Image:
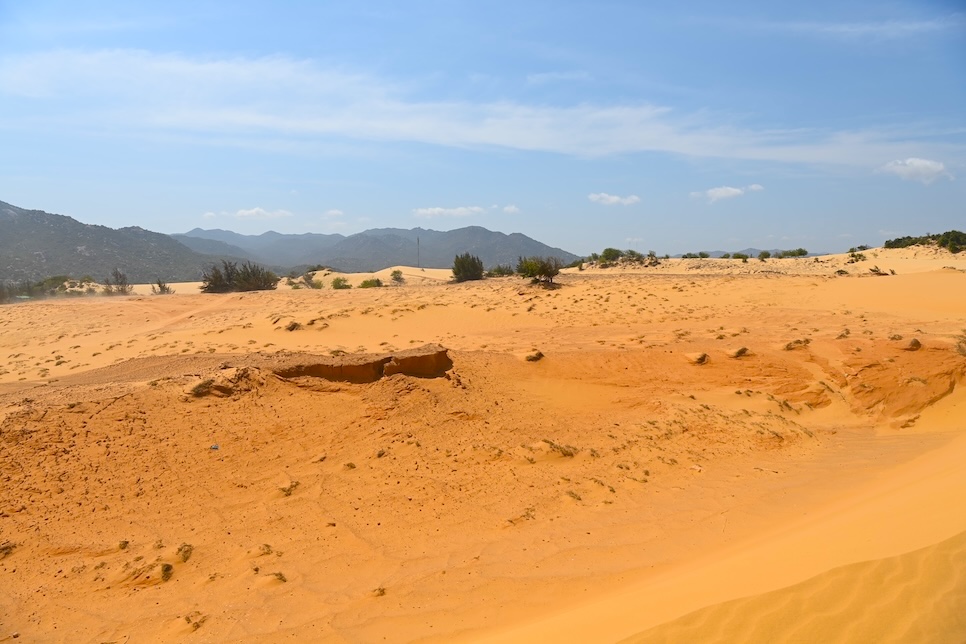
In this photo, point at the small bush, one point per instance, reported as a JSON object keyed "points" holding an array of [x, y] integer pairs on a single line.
{"points": [[372, 283], [611, 254], [161, 288], [340, 284], [726, 256], [117, 284], [230, 278], [763, 255], [740, 256], [397, 277], [798, 252], [539, 268], [467, 267]]}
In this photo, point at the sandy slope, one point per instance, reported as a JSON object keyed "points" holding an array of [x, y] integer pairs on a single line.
{"points": [[618, 484]]}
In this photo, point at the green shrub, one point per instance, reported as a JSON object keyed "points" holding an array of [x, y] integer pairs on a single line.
{"points": [[704, 255], [397, 277], [611, 254], [371, 283], [230, 278], [763, 255], [798, 252], [539, 268], [500, 270], [467, 267], [340, 284], [726, 256]]}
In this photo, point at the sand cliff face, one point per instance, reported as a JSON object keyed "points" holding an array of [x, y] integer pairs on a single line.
{"points": [[302, 464]]}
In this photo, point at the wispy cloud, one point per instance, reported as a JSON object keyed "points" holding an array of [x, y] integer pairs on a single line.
{"points": [[280, 101], [915, 169], [249, 213], [725, 192], [557, 77], [511, 209], [883, 29], [613, 200], [333, 213], [459, 211]]}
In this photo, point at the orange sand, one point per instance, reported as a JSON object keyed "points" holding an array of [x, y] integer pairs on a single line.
{"points": [[618, 488]]}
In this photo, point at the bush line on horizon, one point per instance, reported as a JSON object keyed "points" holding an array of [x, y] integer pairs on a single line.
{"points": [[254, 277]]}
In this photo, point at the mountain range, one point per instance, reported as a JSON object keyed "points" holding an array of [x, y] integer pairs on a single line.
{"points": [[373, 249], [35, 244]]}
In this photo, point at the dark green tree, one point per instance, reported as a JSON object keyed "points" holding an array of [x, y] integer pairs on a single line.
{"points": [[467, 267]]}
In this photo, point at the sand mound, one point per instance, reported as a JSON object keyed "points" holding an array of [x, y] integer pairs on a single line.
{"points": [[314, 464]]}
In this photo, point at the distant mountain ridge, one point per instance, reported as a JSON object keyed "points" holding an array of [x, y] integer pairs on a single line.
{"points": [[379, 248], [35, 245]]}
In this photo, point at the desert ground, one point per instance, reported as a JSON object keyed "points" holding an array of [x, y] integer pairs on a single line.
{"points": [[707, 450]]}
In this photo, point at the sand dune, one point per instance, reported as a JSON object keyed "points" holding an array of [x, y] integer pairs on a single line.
{"points": [[854, 603], [579, 473]]}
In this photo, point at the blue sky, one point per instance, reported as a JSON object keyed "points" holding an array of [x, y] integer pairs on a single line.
{"points": [[703, 125]]}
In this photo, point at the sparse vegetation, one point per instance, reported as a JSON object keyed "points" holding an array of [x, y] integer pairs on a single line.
{"points": [[741, 256], [467, 267], [371, 283], [340, 283], [501, 270], [763, 255], [397, 277], [231, 278], [953, 241], [161, 288], [117, 284]]}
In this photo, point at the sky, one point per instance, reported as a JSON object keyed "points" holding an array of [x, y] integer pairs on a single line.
{"points": [[672, 127]]}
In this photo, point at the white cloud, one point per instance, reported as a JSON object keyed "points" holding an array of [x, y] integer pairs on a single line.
{"points": [[209, 215], [613, 200], [286, 103], [334, 212], [914, 169], [725, 192], [260, 213], [511, 209], [459, 211]]}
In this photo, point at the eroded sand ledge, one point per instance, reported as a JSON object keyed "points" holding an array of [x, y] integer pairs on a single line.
{"points": [[352, 500]]}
